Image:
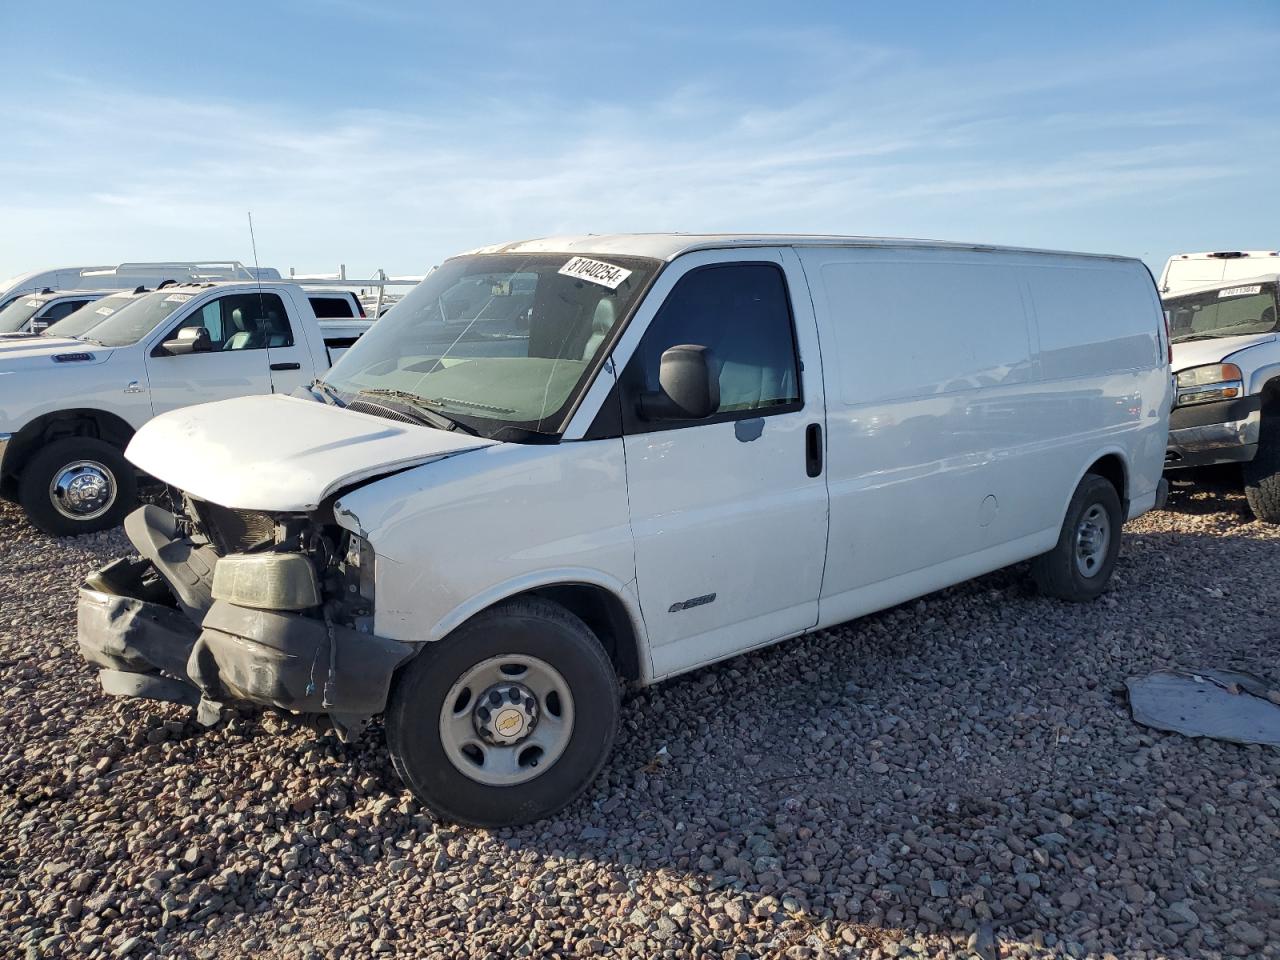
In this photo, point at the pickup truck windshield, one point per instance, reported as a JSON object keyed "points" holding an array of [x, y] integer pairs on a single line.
{"points": [[1226, 312], [498, 341], [131, 323], [88, 316], [15, 316]]}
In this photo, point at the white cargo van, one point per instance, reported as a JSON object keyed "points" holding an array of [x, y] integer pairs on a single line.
{"points": [[564, 461], [1185, 271]]}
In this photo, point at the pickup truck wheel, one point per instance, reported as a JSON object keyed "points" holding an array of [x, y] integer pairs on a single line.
{"points": [[1262, 475], [1080, 566], [507, 720], [77, 485]]}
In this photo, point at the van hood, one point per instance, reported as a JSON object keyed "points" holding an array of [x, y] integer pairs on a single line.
{"points": [[40, 353], [1195, 353], [278, 453]]}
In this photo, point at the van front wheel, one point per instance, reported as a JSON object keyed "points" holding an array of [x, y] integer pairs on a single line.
{"points": [[1080, 566], [507, 720]]}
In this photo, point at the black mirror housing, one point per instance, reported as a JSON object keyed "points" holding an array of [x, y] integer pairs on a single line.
{"points": [[189, 340], [689, 383]]}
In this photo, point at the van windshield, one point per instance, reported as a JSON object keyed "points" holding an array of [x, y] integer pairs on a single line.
{"points": [[496, 341], [1226, 312], [131, 323], [14, 317], [88, 316]]}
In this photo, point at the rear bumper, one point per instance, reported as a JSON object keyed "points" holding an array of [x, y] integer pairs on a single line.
{"points": [[1209, 433], [145, 646]]}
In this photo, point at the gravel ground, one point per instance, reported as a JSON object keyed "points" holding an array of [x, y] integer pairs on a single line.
{"points": [[958, 776]]}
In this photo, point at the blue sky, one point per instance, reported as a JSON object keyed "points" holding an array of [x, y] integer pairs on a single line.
{"points": [[384, 134]]}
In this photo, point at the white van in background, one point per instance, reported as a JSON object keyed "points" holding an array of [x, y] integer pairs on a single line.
{"points": [[129, 275], [1185, 271], [564, 461]]}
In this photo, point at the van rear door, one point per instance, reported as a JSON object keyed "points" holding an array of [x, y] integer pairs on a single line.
{"points": [[729, 514]]}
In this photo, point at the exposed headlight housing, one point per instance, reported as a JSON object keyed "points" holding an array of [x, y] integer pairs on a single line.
{"points": [[1214, 381], [266, 581]]}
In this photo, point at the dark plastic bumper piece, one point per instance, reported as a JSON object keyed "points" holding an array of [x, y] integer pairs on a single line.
{"points": [[185, 566], [291, 661], [267, 657]]}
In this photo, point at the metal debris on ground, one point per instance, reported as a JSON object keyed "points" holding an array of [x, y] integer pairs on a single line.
{"points": [[1222, 704]]}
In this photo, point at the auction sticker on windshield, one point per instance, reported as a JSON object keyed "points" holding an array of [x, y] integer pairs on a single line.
{"points": [[1239, 291], [178, 297], [595, 271]]}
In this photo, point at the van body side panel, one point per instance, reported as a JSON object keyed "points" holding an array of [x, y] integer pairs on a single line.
{"points": [[458, 534], [928, 365], [953, 450], [1102, 363]]}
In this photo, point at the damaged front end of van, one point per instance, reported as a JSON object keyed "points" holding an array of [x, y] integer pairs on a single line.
{"points": [[240, 607], [247, 589]]}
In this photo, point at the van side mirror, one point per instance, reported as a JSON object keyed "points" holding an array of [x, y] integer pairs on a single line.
{"points": [[689, 386], [189, 340]]}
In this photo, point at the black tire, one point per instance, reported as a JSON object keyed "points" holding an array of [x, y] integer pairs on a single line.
{"points": [[48, 462], [1262, 475], [528, 626], [1057, 573]]}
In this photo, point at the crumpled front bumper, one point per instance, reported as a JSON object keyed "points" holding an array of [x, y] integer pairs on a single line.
{"points": [[146, 647], [1209, 433]]}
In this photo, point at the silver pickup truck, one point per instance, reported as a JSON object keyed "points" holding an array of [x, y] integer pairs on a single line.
{"points": [[1226, 361]]}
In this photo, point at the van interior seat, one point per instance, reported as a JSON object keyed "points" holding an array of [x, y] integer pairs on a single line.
{"points": [[602, 322]]}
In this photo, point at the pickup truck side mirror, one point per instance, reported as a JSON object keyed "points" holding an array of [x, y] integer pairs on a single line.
{"points": [[689, 386], [189, 340]]}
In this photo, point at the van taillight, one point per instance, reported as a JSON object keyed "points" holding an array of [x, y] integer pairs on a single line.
{"points": [[1168, 344]]}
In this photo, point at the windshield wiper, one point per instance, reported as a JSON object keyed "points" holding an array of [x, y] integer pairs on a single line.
{"points": [[427, 413], [325, 390]]}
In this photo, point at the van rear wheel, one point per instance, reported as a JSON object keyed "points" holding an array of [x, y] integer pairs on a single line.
{"points": [[1080, 566], [77, 485], [507, 720]]}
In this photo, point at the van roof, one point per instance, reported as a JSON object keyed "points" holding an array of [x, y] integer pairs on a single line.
{"points": [[668, 246]]}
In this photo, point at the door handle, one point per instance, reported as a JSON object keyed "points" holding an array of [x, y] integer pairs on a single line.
{"points": [[286, 366], [813, 449]]}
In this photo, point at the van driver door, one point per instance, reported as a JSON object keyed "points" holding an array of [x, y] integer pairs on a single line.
{"points": [[728, 513]]}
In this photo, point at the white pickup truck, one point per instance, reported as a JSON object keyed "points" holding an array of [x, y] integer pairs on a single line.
{"points": [[68, 407], [1226, 360], [34, 313]]}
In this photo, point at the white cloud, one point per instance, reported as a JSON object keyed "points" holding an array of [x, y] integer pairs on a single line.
{"points": [[879, 143]]}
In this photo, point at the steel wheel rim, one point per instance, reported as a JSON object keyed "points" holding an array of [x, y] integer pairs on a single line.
{"points": [[1093, 540], [83, 490], [469, 741]]}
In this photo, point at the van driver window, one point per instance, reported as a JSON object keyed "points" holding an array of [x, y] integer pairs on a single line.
{"points": [[741, 312]]}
